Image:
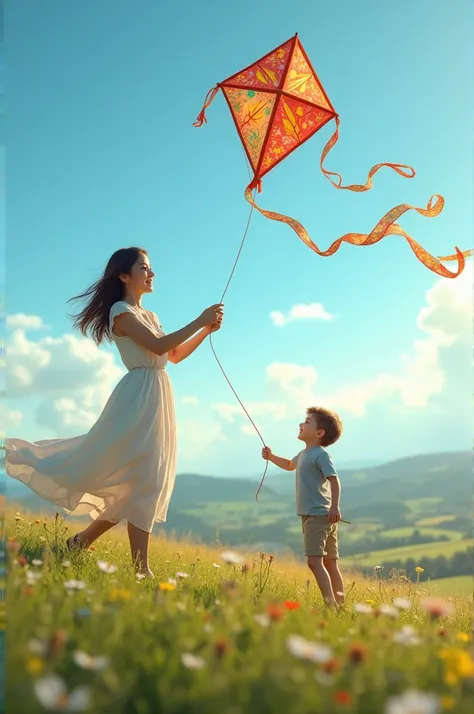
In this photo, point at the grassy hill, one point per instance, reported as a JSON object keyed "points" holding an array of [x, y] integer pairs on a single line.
{"points": [[84, 635], [406, 508]]}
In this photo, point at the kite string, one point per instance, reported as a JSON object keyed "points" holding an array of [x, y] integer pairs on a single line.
{"points": [[244, 237]]}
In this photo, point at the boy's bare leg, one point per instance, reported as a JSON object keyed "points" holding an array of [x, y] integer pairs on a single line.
{"points": [[316, 565], [336, 579], [86, 537], [139, 544]]}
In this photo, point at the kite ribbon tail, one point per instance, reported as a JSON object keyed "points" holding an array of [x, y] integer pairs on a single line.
{"points": [[401, 169], [386, 226], [207, 102]]}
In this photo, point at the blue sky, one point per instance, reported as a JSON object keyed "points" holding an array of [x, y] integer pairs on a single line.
{"points": [[102, 154]]}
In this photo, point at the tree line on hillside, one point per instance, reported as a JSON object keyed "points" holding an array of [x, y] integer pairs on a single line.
{"points": [[373, 543], [439, 567]]}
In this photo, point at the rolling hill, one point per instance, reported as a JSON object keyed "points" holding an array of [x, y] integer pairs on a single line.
{"points": [[390, 506]]}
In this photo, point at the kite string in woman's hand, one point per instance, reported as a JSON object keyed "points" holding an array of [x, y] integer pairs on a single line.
{"points": [[217, 358]]}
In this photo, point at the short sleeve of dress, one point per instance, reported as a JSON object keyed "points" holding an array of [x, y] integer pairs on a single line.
{"points": [[157, 322], [118, 308]]}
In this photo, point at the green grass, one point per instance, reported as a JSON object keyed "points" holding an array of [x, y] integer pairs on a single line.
{"points": [[437, 520], [407, 532], [245, 664], [423, 505], [239, 514], [460, 585], [426, 550]]}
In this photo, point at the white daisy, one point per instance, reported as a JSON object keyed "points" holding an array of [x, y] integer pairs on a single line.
{"points": [[389, 610], [192, 661], [413, 702], [85, 661], [106, 567], [232, 558], [407, 636], [74, 584], [312, 651], [52, 693], [362, 608], [32, 577], [403, 603]]}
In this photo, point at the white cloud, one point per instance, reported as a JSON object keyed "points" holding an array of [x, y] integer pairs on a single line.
{"points": [[193, 401], [229, 411], [25, 322], [313, 311], [11, 419], [196, 437], [248, 430], [72, 373], [446, 323]]}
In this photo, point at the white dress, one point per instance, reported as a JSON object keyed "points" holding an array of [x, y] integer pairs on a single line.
{"points": [[125, 466]]}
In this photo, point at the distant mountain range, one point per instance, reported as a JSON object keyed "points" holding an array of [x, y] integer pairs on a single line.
{"points": [[395, 495]]}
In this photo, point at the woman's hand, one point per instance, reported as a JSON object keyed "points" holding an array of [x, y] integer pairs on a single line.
{"points": [[215, 326], [212, 316]]}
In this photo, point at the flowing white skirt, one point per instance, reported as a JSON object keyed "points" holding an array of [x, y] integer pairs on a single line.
{"points": [[123, 468]]}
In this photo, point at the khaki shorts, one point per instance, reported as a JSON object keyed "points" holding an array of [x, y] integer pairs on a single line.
{"points": [[320, 537]]}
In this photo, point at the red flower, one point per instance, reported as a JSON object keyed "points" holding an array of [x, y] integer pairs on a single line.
{"points": [[357, 653], [275, 612], [291, 604], [221, 646], [342, 697], [331, 666]]}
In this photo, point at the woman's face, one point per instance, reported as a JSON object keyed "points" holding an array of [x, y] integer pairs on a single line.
{"points": [[141, 276]]}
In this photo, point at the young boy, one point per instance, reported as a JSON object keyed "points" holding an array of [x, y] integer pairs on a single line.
{"points": [[318, 491]]}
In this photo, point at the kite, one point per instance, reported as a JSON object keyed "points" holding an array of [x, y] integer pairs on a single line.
{"points": [[277, 104]]}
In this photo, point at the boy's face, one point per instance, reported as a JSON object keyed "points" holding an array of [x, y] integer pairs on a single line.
{"points": [[309, 430]]}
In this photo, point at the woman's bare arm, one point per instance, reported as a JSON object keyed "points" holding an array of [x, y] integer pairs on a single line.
{"points": [[129, 326]]}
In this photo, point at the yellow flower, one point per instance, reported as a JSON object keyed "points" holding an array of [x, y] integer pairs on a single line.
{"points": [[167, 586], [458, 665], [419, 569], [120, 594], [370, 602], [463, 637], [451, 679], [448, 703], [34, 665]]}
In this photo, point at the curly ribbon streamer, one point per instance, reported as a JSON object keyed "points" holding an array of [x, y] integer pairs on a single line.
{"points": [[401, 169], [386, 226]]}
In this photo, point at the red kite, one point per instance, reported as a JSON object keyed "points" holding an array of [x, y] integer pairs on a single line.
{"points": [[277, 104]]}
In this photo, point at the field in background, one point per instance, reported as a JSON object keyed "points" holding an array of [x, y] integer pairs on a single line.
{"points": [[220, 632]]}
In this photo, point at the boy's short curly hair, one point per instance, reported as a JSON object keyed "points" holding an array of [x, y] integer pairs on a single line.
{"points": [[329, 421]]}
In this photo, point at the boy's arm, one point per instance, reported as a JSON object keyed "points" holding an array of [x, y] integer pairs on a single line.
{"points": [[285, 464], [328, 469], [335, 498]]}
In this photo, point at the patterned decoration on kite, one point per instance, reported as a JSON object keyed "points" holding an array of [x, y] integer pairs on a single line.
{"points": [[277, 104]]}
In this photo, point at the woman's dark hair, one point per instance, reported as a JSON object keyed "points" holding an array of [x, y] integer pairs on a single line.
{"points": [[93, 319]]}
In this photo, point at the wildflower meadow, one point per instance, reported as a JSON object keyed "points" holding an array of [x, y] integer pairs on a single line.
{"points": [[220, 631]]}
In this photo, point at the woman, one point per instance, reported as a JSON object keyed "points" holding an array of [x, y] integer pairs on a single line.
{"points": [[124, 467]]}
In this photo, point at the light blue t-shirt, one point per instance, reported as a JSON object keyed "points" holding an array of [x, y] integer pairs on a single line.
{"points": [[313, 491]]}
